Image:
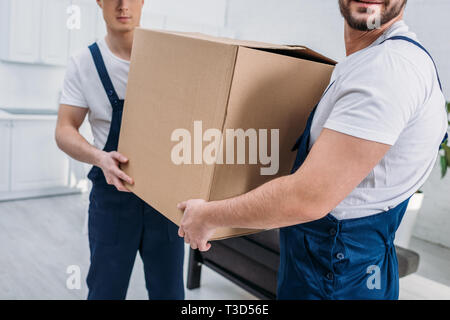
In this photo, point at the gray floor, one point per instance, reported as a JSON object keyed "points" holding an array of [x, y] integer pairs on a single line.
{"points": [[41, 238], [434, 260]]}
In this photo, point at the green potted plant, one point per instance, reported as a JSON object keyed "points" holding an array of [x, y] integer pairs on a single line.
{"points": [[445, 151], [404, 232]]}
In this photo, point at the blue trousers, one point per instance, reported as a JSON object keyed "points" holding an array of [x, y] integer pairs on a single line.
{"points": [[352, 259], [120, 225]]}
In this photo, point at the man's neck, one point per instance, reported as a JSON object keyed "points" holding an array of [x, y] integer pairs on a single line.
{"points": [[356, 40], [120, 43]]}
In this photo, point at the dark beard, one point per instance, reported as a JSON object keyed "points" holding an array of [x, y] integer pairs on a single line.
{"points": [[362, 25]]}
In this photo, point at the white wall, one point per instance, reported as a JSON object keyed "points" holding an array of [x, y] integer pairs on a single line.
{"points": [[429, 19], [316, 24], [433, 222]]}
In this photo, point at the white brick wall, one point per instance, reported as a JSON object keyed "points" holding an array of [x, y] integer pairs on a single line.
{"points": [[318, 24]]}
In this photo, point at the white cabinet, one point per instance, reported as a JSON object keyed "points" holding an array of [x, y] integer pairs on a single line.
{"points": [[20, 25], [54, 47], [36, 31], [36, 161], [5, 154], [31, 165]]}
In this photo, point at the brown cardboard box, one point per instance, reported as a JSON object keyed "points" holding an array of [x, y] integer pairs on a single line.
{"points": [[177, 78]]}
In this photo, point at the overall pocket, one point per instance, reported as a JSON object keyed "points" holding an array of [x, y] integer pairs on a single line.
{"points": [[103, 220]]}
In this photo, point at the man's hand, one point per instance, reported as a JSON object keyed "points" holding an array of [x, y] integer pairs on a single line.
{"points": [[195, 227], [109, 162], [70, 141]]}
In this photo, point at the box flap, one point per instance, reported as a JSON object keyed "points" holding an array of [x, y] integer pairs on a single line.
{"points": [[297, 51]]}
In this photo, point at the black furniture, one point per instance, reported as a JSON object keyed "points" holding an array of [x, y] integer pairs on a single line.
{"points": [[252, 261]]}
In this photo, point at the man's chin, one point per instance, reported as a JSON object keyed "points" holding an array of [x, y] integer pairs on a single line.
{"points": [[124, 28], [360, 20], [358, 24]]}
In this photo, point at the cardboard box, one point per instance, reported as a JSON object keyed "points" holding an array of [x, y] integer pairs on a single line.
{"points": [[190, 83]]}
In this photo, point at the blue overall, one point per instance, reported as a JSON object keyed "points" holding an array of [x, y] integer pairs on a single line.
{"points": [[120, 224], [340, 259]]}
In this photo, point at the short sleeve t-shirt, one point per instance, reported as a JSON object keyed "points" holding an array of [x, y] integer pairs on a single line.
{"points": [[388, 93], [83, 88]]}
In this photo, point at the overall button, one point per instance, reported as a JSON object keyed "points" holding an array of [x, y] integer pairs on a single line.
{"points": [[333, 231], [110, 93], [340, 256], [330, 276]]}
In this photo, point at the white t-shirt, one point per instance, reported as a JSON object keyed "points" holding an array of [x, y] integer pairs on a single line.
{"points": [[388, 93], [83, 88]]}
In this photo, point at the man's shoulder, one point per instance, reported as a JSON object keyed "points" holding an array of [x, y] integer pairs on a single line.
{"points": [[393, 59], [81, 57], [405, 54], [400, 51]]}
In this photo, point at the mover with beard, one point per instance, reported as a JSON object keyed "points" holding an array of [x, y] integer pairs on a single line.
{"points": [[369, 145]]}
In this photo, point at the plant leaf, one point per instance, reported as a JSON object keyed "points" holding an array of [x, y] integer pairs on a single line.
{"points": [[443, 166], [447, 154]]}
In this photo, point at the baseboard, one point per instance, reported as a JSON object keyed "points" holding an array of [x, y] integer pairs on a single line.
{"points": [[20, 195]]}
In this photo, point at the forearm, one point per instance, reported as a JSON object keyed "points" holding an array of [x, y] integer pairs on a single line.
{"points": [[76, 146], [281, 202]]}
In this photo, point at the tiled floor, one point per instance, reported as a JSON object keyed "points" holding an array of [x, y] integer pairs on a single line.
{"points": [[41, 238]]}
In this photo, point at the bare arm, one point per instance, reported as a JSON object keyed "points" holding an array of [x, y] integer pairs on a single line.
{"points": [[335, 166], [69, 140]]}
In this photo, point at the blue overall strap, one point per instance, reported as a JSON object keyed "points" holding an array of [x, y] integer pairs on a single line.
{"points": [[103, 74], [435, 67]]}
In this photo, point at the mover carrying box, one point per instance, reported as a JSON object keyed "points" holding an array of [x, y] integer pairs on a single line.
{"points": [[186, 90]]}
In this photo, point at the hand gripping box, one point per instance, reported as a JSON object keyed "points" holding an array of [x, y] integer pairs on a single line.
{"points": [[212, 118]]}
